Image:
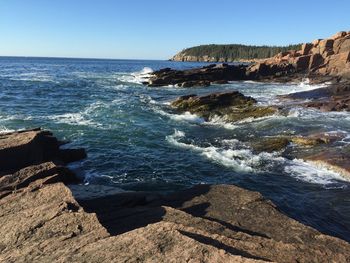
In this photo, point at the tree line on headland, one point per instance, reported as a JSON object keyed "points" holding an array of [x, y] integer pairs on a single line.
{"points": [[231, 52]]}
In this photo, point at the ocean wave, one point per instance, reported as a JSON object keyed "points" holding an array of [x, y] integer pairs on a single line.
{"points": [[312, 173], [137, 77], [220, 122], [4, 129], [30, 76], [80, 118], [184, 117], [305, 85], [241, 160], [72, 118]]}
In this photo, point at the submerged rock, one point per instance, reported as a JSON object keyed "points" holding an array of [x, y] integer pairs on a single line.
{"points": [[270, 144], [232, 106]]}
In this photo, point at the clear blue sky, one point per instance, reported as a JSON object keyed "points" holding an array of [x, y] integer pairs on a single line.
{"points": [[156, 29]]}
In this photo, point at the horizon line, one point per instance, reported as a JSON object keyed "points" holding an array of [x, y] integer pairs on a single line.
{"points": [[43, 57]]}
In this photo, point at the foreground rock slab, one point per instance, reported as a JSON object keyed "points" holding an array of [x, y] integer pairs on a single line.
{"points": [[41, 221]]}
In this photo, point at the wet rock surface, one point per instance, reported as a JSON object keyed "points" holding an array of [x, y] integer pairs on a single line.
{"points": [[231, 106], [212, 74], [335, 97], [41, 220]]}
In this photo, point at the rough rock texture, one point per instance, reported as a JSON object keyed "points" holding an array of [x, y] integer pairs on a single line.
{"points": [[321, 57], [279, 143], [20, 149], [327, 57], [220, 73], [231, 106], [41, 221], [335, 97]]}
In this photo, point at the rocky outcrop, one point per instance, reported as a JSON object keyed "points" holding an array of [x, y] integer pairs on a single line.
{"points": [[321, 57], [41, 220], [230, 106], [212, 74], [20, 149], [335, 97]]}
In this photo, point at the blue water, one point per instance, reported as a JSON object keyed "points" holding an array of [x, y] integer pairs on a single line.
{"points": [[135, 141]]}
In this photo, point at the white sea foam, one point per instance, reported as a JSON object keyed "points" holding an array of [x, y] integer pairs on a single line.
{"points": [[137, 77], [71, 118], [241, 160], [221, 122], [83, 117], [311, 173], [303, 86], [184, 117], [4, 129]]}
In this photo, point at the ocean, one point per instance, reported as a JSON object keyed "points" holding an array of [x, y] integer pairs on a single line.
{"points": [[136, 141]]}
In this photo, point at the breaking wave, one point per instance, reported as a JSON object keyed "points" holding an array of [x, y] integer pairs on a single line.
{"points": [[234, 154]]}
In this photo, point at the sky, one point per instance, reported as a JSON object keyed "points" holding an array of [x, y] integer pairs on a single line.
{"points": [[157, 29]]}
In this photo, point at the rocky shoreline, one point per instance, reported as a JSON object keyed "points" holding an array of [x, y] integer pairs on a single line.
{"points": [[324, 61], [41, 219], [46, 214], [320, 61]]}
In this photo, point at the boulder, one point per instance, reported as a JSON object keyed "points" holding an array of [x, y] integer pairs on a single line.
{"points": [[23, 148]]}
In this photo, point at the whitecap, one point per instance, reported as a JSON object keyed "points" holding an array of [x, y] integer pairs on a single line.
{"points": [[4, 129], [72, 118], [220, 122], [241, 160], [137, 77], [184, 117], [312, 173]]}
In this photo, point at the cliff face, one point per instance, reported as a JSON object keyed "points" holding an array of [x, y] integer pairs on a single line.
{"points": [[329, 56], [42, 221]]}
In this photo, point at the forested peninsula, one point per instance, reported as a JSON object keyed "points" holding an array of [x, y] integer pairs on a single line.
{"points": [[230, 53]]}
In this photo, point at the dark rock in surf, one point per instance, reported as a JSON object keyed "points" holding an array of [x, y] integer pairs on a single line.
{"points": [[197, 77], [230, 106]]}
